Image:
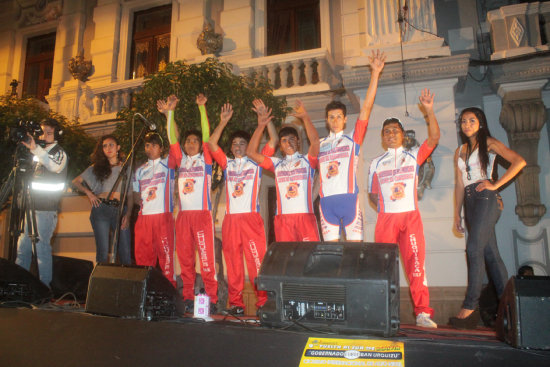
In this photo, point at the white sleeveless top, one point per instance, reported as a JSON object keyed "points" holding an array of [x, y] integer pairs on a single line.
{"points": [[476, 174]]}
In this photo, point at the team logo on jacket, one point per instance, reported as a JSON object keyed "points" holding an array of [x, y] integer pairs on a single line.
{"points": [[238, 189], [292, 190], [398, 191], [332, 169], [188, 186], [151, 194]]}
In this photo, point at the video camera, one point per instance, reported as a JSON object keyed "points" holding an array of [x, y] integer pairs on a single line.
{"points": [[19, 133]]}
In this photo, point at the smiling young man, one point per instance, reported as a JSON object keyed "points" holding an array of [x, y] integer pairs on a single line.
{"points": [[338, 158], [194, 225], [243, 227], [392, 187], [295, 220], [153, 186]]}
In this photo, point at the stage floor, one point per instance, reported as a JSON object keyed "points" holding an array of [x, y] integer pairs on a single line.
{"points": [[62, 337]]}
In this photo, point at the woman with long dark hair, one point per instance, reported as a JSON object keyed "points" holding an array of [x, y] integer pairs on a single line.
{"points": [[477, 192], [97, 183]]}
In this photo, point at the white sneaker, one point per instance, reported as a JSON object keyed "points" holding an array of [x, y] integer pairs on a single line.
{"points": [[423, 320]]}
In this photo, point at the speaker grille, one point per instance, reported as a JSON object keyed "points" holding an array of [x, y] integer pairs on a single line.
{"points": [[314, 292]]}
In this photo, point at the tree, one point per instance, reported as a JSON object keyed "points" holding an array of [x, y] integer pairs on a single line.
{"points": [[213, 78], [76, 142]]}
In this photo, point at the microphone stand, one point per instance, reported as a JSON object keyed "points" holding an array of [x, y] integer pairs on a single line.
{"points": [[126, 185]]}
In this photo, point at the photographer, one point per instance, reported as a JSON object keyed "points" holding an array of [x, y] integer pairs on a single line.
{"points": [[46, 186]]}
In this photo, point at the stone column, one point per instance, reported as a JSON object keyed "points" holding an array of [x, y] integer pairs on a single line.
{"points": [[523, 114], [236, 20], [105, 45]]}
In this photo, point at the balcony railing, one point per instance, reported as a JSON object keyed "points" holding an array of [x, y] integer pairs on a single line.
{"points": [[296, 72], [110, 99]]}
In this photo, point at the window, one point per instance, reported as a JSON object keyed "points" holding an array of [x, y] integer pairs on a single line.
{"points": [[37, 79], [150, 41], [292, 25]]}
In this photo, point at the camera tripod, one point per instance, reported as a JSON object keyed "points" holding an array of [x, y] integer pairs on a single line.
{"points": [[22, 210]]}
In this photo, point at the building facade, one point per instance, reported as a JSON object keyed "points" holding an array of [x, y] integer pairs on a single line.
{"points": [[489, 54]]}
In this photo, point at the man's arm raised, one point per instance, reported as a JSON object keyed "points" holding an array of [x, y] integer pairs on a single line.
{"points": [[377, 60], [264, 118], [427, 101], [312, 134], [225, 116]]}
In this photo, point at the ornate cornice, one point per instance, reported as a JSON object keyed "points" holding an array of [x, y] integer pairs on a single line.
{"points": [[415, 71], [519, 71]]}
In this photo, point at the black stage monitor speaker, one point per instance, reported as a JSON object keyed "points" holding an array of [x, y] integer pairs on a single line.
{"points": [[139, 292], [71, 275], [523, 318], [344, 287], [19, 285]]}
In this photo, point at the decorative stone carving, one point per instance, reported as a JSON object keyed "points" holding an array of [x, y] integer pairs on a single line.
{"points": [[523, 114], [37, 11], [14, 83], [426, 171], [80, 68], [515, 30], [209, 42]]}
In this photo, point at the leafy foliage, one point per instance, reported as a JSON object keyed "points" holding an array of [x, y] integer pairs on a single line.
{"points": [[214, 79], [76, 142]]}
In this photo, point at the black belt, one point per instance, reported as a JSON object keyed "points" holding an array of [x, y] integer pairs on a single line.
{"points": [[112, 202]]}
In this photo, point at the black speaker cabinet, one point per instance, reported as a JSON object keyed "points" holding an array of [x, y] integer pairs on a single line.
{"points": [[71, 275], [523, 318], [19, 285], [344, 287], [139, 292]]}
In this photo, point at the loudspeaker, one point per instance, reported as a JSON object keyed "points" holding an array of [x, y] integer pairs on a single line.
{"points": [[19, 285], [344, 287], [139, 292], [71, 275], [523, 318]]}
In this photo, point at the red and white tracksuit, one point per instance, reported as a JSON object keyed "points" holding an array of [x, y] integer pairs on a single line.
{"points": [[393, 176], [295, 220], [194, 225], [243, 227], [154, 229]]}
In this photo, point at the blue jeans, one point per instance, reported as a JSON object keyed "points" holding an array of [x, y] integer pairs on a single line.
{"points": [[104, 220], [482, 213], [46, 222]]}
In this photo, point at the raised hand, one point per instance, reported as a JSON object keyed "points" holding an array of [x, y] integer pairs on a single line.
{"points": [[377, 60], [259, 106], [265, 117], [427, 99], [168, 105], [299, 110], [226, 113], [201, 99]]}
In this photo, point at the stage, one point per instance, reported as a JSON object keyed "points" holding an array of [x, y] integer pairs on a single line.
{"points": [[64, 336]]}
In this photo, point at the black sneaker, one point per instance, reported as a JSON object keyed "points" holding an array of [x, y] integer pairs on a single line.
{"points": [[189, 305], [213, 308], [235, 311]]}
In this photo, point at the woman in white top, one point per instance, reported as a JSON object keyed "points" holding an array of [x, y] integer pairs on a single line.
{"points": [[475, 189]]}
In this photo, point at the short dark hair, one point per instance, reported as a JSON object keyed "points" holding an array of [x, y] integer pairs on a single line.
{"points": [[335, 105], [288, 130], [240, 134], [392, 120], [51, 122], [154, 138], [525, 269], [188, 133]]}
